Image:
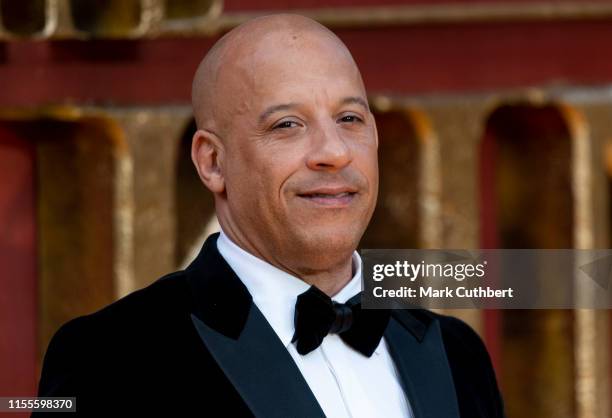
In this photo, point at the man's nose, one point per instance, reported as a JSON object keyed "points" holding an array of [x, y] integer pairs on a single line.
{"points": [[329, 149]]}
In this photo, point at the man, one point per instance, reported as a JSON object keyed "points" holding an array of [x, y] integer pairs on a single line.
{"points": [[288, 146]]}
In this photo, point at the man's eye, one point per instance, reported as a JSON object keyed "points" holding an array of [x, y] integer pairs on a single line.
{"points": [[350, 119], [285, 124]]}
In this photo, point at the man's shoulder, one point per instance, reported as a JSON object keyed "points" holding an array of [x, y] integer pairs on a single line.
{"points": [[450, 326], [469, 362], [459, 338], [166, 296], [133, 315]]}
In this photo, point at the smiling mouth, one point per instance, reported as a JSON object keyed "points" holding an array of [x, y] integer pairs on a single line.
{"points": [[329, 199]]}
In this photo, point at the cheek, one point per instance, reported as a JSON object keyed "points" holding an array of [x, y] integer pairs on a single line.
{"points": [[366, 159], [277, 165], [374, 174], [259, 184]]}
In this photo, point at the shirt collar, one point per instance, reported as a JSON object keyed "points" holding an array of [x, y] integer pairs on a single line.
{"points": [[275, 291]]}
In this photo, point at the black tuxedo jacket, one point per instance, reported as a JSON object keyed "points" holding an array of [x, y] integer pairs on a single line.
{"points": [[193, 343]]}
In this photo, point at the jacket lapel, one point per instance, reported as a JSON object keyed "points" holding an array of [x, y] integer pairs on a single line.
{"points": [[416, 346], [243, 343]]}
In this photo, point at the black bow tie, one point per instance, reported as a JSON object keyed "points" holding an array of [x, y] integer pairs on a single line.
{"points": [[316, 315]]}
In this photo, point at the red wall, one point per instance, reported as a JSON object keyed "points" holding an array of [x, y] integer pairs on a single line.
{"points": [[402, 60], [18, 289]]}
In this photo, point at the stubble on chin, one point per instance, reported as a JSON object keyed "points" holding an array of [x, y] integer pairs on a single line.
{"points": [[324, 249]]}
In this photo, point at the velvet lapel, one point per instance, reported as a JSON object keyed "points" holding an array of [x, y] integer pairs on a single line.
{"points": [[243, 343], [416, 346]]}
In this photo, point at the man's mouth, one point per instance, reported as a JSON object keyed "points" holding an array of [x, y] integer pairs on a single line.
{"points": [[329, 198]]}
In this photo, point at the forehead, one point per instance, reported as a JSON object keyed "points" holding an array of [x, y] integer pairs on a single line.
{"points": [[285, 66]]}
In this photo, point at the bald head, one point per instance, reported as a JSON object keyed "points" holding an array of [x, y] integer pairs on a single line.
{"points": [[232, 61], [287, 145]]}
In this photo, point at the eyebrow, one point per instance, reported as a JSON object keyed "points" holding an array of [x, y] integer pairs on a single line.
{"points": [[275, 108], [356, 100], [287, 106]]}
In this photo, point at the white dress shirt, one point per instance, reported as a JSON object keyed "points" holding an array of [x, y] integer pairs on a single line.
{"points": [[346, 383]]}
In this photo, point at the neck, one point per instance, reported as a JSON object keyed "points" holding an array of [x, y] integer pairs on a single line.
{"points": [[330, 279]]}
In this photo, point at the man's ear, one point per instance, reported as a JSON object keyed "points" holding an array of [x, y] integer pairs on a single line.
{"points": [[206, 148]]}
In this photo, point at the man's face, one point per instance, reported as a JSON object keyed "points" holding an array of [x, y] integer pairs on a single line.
{"points": [[300, 160]]}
